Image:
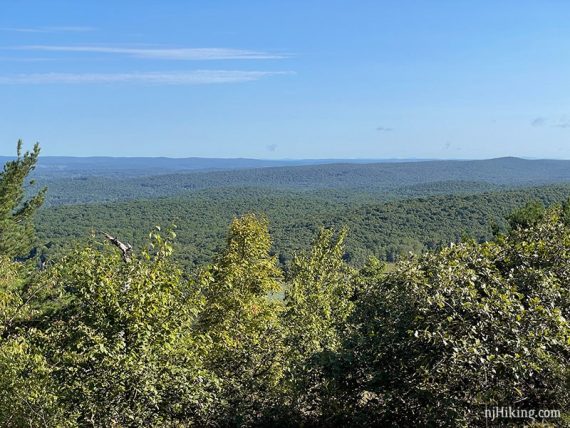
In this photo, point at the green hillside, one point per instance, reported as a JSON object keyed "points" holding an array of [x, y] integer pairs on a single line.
{"points": [[378, 179], [378, 227]]}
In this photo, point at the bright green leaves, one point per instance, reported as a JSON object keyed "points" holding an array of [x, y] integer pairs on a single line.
{"points": [[123, 343], [245, 266], [318, 301], [243, 322], [27, 391], [11, 301], [318, 295]]}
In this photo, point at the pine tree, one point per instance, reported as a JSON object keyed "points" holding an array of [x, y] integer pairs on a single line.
{"points": [[17, 234]]}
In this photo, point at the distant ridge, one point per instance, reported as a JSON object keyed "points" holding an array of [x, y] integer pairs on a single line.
{"points": [[69, 166], [66, 166], [78, 183]]}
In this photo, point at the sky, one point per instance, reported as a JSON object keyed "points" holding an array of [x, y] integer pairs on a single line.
{"points": [[278, 79]]}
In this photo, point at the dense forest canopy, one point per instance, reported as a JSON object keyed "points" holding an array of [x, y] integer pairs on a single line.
{"points": [[248, 333], [391, 208], [386, 229]]}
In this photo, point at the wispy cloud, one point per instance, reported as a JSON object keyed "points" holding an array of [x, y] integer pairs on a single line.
{"points": [[197, 77], [384, 129], [561, 122], [16, 59], [68, 29], [189, 54], [564, 122]]}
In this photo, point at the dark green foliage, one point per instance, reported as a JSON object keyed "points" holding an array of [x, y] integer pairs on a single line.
{"points": [[449, 333], [391, 208], [386, 230], [566, 212], [16, 212], [527, 216]]}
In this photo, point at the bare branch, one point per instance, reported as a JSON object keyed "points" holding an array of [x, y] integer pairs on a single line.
{"points": [[126, 249]]}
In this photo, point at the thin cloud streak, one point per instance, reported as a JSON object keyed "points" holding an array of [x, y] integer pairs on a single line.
{"points": [[69, 29], [198, 77], [188, 54], [13, 59], [562, 122]]}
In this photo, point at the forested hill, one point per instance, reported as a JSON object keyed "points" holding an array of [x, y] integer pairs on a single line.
{"points": [[384, 229], [376, 178]]}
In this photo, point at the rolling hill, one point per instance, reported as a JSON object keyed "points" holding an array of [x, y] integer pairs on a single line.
{"points": [[385, 179]]}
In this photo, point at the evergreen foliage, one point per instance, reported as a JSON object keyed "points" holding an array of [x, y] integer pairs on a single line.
{"points": [[16, 212]]}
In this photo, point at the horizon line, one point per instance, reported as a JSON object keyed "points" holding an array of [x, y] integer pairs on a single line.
{"points": [[372, 159]]}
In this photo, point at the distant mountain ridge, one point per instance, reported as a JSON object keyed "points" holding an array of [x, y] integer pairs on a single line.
{"points": [[68, 166], [130, 167]]}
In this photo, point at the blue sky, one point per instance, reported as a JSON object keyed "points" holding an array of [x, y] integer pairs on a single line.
{"points": [[286, 79]]}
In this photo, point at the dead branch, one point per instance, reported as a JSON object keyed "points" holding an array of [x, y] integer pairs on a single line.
{"points": [[125, 248]]}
